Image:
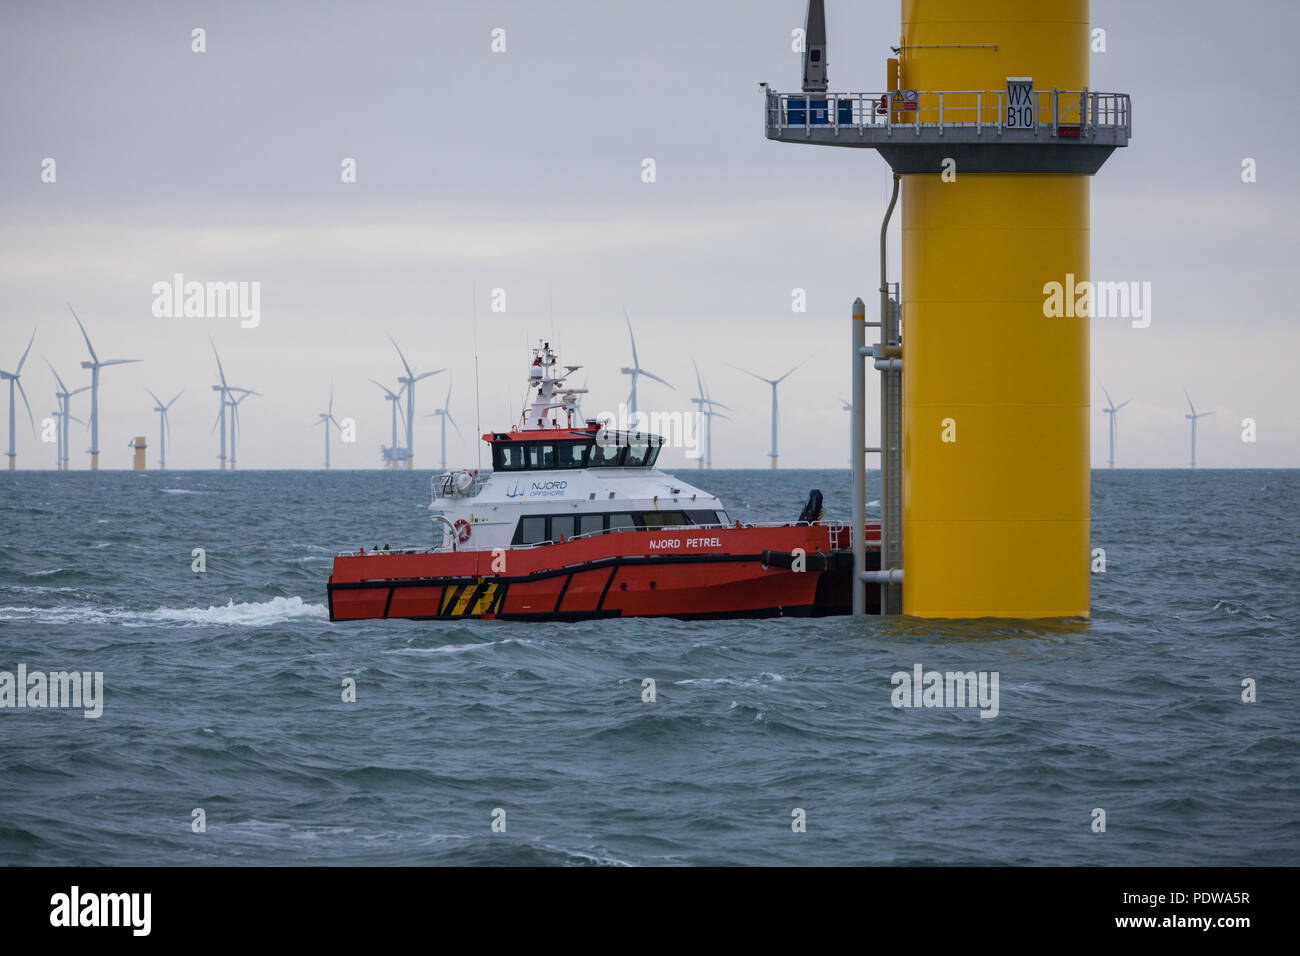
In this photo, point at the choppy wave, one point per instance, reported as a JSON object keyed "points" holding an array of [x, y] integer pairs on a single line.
{"points": [[252, 614]]}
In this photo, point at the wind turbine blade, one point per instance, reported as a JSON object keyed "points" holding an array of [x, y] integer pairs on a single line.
{"points": [[656, 378], [436, 371], [748, 372], [220, 371], [220, 412], [19, 369], [1189, 400], [167, 424], [455, 426], [74, 418], [385, 388], [699, 382], [409, 373], [1109, 401], [176, 396], [18, 382], [635, 362], [93, 356], [330, 410], [62, 387], [152, 395], [1121, 404], [793, 370], [120, 362]]}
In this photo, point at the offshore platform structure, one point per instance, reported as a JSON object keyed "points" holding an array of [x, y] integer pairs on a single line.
{"points": [[990, 128]]}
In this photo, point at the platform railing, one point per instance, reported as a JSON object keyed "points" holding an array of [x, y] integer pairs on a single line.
{"points": [[1081, 112]]}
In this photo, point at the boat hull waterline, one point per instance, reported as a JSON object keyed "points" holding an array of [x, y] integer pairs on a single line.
{"points": [[692, 572]]}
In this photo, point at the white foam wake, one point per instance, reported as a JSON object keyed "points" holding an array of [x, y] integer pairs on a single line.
{"points": [[252, 614]]}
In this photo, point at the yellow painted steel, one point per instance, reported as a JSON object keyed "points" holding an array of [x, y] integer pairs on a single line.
{"points": [[995, 523]]}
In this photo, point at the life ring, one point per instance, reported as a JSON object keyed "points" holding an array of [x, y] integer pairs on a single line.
{"points": [[462, 530]]}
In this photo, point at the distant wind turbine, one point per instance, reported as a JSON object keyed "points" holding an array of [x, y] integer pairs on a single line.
{"points": [[226, 391], [445, 414], [408, 382], [392, 453], [1192, 418], [1111, 410], [94, 365], [707, 408], [774, 382], [327, 418], [636, 371], [63, 415], [13, 379], [234, 423], [164, 426]]}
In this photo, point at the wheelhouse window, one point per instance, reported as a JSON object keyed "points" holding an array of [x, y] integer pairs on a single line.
{"points": [[589, 523], [637, 452], [541, 456], [705, 517], [605, 455], [664, 519], [507, 456], [573, 454]]}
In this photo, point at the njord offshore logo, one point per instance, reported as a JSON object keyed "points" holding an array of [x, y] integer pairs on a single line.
{"points": [[104, 910]]}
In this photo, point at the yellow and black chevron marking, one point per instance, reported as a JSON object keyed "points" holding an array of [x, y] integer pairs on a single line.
{"points": [[471, 600]]}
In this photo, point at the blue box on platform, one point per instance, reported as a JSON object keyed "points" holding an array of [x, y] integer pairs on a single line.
{"points": [[820, 112]]}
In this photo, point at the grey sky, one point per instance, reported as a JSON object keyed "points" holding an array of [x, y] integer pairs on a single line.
{"points": [[522, 171]]}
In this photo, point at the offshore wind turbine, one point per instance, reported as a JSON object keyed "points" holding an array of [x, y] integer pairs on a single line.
{"points": [[327, 418], [707, 406], [1192, 418], [13, 379], [1111, 410], [226, 391], [391, 453], [774, 382], [94, 365], [636, 371], [63, 399], [164, 426], [408, 382], [234, 422], [445, 414]]}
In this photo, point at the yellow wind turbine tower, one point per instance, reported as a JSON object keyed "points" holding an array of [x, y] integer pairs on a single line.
{"points": [[993, 134]]}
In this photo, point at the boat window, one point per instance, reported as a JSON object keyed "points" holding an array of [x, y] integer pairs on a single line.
{"points": [[621, 519], [653, 456], [533, 529], [663, 519], [722, 518], [636, 454], [541, 456], [604, 455], [561, 525], [703, 517], [507, 457], [590, 523], [573, 454]]}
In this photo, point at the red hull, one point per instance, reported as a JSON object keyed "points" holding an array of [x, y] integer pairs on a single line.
{"points": [[684, 573]]}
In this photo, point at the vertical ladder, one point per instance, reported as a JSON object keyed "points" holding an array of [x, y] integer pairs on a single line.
{"points": [[891, 440]]}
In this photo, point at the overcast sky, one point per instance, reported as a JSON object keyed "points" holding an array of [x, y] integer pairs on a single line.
{"points": [[522, 171]]}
